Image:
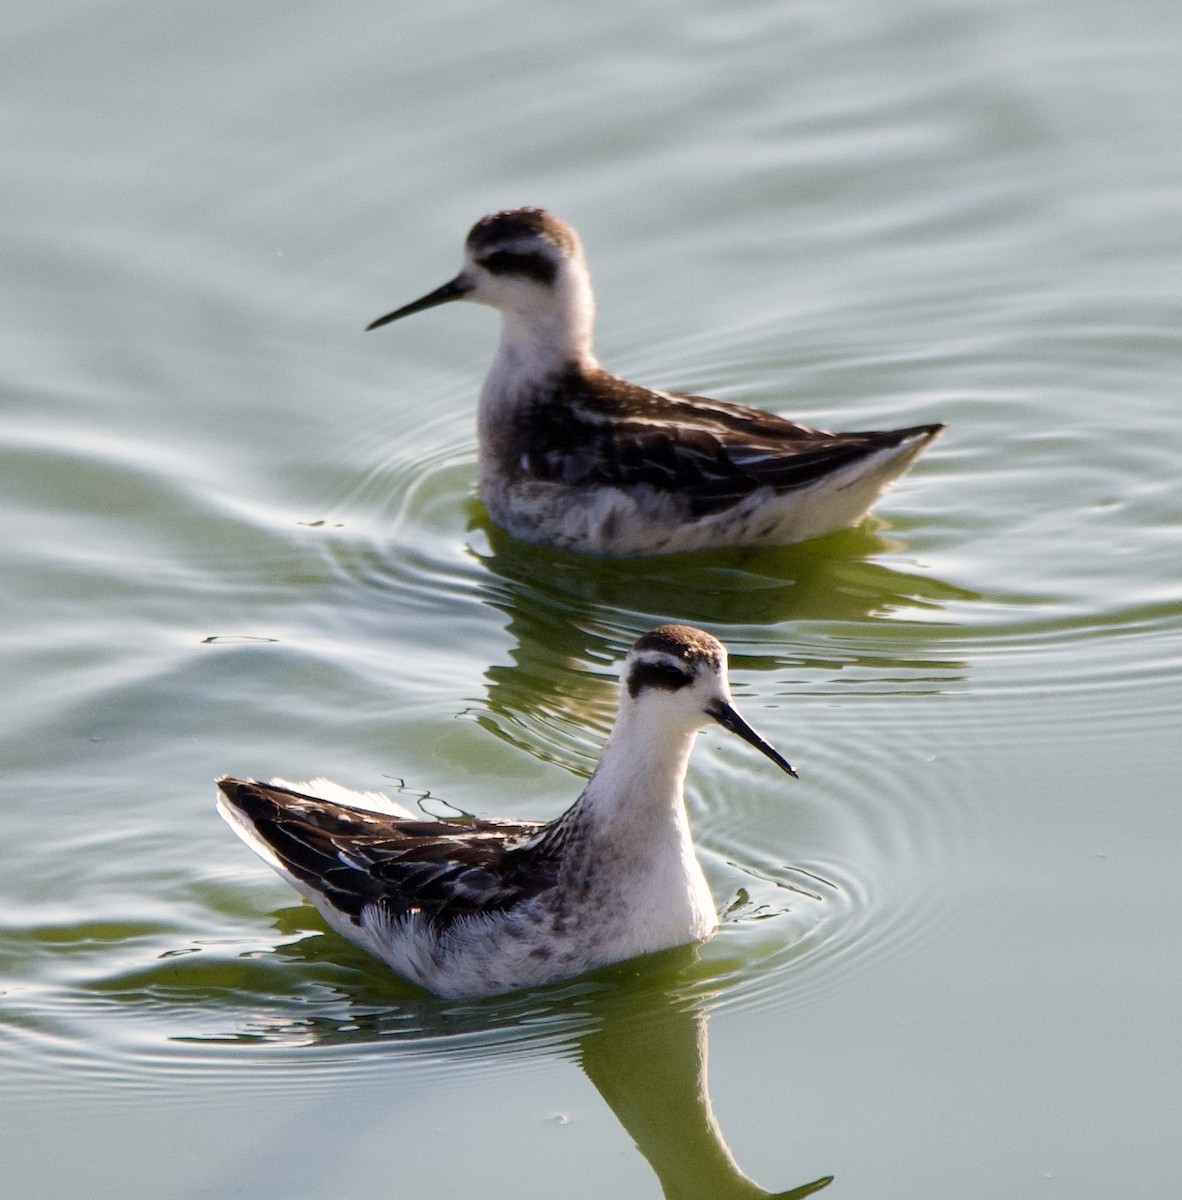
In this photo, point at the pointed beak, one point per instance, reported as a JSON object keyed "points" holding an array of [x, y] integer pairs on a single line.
{"points": [[728, 717], [454, 289]]}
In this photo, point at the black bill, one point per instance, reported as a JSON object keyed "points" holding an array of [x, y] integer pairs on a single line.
{"points": [[728, 717], [454, 289]]}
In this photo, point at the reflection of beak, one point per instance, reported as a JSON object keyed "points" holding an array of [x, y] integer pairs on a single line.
{"points": [[728, 717], [454, 289]]}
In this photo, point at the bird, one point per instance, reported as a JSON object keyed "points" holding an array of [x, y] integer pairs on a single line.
{"points": [[472, 906], [575, 457]]}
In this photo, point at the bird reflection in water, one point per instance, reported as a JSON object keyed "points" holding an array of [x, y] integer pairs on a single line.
{"points": [[639, 1030], [570, 617], [649, 1063]]}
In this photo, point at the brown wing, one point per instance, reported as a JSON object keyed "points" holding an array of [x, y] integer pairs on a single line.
{"points": [[356, 859], [590, 428]]}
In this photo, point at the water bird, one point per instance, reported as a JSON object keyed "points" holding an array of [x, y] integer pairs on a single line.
{"points": [[576, 457], [473, 906]]}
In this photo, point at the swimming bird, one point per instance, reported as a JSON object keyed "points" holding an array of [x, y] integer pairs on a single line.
{"points": [[477, 906], [576, 457]]}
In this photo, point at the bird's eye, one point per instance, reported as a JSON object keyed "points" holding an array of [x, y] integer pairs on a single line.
{"points": [[664, 676], [530, 266]]}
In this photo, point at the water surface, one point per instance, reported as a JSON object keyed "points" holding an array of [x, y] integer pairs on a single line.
{"points": [[241, 536]]}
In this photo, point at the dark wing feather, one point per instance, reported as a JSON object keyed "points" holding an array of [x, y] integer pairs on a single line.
{"points": [[355, 858], [590, 428]]}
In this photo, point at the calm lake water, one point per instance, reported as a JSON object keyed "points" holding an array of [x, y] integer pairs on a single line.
{"points": [[240, 535]]}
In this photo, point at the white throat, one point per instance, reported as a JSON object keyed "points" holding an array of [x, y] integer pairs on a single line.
{"points": [[542, 332], [641, 776]]}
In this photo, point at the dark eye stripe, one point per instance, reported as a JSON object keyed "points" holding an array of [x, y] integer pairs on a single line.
{"points": [[532, 266], [656, 675]]}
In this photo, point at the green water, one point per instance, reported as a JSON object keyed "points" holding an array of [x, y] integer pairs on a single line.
{"points": [[241, 536]]}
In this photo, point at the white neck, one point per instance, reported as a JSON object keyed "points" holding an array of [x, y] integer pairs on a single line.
{"points": [[540, 338], [640, 780], [636, 833]]}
